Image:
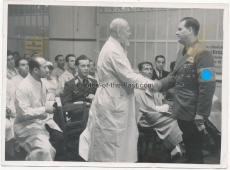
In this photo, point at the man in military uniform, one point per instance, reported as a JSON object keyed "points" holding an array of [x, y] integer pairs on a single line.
{"points": [[194, 80], [81, 88]]}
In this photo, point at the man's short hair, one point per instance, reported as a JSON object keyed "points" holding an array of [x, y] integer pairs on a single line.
{"points": [[17, 62], [50, 65], [140, 65], [81, 57], [9, 53], [92, 61], [34, 54], [68, 56], [33, 63], [56, 58], [192, 22], [159, 56]]}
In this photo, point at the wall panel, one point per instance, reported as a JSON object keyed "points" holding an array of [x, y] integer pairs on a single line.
{"points": [[150, 52], [173, 21], [161, 24], [211, 24], [151, 25]]}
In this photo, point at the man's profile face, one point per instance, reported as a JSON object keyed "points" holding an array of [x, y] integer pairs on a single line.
{"points": [[23, 68], [71, 62], [91, 67], [61, 62], [182, 33], [10, 61], [125, 35], [43, 69], [83, 68], [160, 64], [147, 70]]}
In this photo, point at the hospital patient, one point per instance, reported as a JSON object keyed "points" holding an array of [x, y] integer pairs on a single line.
{"points": [[151, 106], [34, 126]]}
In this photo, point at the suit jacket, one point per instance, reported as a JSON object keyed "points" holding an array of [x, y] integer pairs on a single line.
{"points": [[193, 95], [75, 91], [164, 74]]}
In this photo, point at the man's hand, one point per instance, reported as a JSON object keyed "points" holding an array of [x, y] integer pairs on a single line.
{"points": [[90, 97], [9, 113], [43, 116], [199, 120], [50, 109]]}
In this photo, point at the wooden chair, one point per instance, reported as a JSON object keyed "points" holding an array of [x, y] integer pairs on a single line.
{"points": [[149, 135], [72, 129]]}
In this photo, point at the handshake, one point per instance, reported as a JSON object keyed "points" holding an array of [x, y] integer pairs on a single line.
{"points": [[157, 86]]}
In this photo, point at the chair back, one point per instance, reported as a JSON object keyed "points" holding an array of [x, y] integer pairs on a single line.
{"points": [[77, 127]]}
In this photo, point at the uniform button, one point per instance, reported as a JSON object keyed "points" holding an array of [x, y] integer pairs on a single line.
{"points": [[182, 75]]}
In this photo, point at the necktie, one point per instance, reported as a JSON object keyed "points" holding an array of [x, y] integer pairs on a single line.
{"points": [[184, 51], [160, 75]]}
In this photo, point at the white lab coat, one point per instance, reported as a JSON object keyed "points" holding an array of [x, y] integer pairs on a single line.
{"points": [[10, 104], [51, 88], [65, 77], [111, 134], [29, 128]]}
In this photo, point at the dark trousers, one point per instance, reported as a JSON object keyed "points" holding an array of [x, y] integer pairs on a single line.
{"points": [[193, 141], [56, 139]]}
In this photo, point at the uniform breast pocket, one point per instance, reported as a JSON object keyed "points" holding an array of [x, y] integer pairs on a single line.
{"points": [[189, 73]]}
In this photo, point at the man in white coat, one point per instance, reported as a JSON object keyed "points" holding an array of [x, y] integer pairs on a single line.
{"points": [[34, 126], [111, 134]]}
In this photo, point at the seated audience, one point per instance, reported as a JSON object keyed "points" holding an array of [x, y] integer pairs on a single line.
{"points": [[34, 127], [10, 115], [159, 72], [23, 68], [51, 84], [60, 60], [151, 106], [69, 73], [16, 55], [80, 88], [92, 71], [27, 57], [11, 70]]}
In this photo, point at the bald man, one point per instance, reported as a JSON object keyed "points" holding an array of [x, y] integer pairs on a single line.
{"points": [[34, 126], [111, 132]]}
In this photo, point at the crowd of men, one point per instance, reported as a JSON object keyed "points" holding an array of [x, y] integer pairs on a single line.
{"points": [[114, 117]]}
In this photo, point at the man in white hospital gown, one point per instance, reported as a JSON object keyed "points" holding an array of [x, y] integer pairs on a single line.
{"points": [[151, 106], [34, 126], [111, 134]]}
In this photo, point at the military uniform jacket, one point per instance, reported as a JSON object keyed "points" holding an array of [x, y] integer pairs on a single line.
{"points": [[75, 91], [193, 95]]}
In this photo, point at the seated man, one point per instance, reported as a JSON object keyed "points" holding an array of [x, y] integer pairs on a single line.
{"points": [[80, 88], [34, 126], [60, 60], [11, 70], [10, 115], [69, 73], [92, 71], [151, 106], [23, 68]]}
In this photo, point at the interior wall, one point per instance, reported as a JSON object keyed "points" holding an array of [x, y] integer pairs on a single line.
{"points": [[77, 48], [64, 29]]}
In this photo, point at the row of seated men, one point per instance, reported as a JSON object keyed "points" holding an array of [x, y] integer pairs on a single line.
{"points": [[31, 95]]}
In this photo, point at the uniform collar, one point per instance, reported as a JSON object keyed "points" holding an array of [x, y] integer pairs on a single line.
{"points": [[191, 43]]}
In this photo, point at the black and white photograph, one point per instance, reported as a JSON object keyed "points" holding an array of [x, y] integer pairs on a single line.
{"points": [[108, 83]]}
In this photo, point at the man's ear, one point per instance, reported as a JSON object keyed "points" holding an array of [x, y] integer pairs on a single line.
{"points": [[119, 33], [36, 70], [190, 30]]}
